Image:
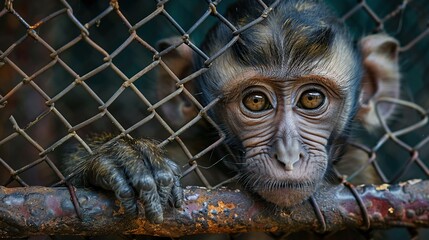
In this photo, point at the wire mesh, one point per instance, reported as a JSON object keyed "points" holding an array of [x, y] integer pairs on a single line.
{"points": [[71, 69]]}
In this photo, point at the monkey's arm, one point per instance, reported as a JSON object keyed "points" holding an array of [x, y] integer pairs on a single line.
{"points": [[131, 169]]}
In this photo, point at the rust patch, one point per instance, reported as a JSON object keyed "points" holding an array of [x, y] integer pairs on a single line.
{"points": [[219, 216], [410, 182], [382, 187]]}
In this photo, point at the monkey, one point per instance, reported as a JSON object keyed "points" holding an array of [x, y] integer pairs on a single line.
{"points": [[288, 92]]}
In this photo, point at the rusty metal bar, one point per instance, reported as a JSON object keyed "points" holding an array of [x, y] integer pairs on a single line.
{"points": [[40, 210]]}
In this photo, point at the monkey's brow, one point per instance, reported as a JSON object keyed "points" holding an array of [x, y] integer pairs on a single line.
{"points": [[237, 86], [331, 85]]}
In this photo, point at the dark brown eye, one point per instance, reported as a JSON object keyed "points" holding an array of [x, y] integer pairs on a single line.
{"points": [[256, 102], [311, 99]]}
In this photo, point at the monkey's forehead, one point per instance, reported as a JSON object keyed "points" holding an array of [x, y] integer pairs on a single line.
{"points": [[341, 66], [297, 38]]}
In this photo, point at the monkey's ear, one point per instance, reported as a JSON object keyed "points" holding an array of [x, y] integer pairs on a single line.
{"points": [[178, 61], [381, 78]]}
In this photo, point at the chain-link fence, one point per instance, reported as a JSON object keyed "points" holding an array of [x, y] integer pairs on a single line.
{"points": [[72, 69]]}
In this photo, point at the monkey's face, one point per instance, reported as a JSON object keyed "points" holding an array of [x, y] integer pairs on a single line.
{"points": [[284, 126], [289, 88]]}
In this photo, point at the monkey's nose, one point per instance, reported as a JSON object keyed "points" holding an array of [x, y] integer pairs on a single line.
{"points": [[287, 153]]}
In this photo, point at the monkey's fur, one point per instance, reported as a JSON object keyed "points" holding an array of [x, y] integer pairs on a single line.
{"points": [[125, 165], [285, 147]]}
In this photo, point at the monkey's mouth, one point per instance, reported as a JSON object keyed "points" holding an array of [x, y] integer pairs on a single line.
{"points": [[286, 194], [285, 188]]}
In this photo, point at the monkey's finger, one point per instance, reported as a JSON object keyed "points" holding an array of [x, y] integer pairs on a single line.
{"points": [[176, 190], [164, 171], [177, 193], [112, 178], [143, 181], [150, 198], [164, 179]]}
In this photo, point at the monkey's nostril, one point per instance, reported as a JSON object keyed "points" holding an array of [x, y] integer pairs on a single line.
{"points": [[287, 161], [286, 152]]}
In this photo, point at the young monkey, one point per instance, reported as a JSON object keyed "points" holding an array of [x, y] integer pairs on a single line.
{"points": [[290, 88]]}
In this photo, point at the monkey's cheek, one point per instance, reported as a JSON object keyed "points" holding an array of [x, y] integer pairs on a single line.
{"points": [[287, 197]]}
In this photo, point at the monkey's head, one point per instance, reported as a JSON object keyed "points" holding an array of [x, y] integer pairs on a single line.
{"points": [[290, 87]]}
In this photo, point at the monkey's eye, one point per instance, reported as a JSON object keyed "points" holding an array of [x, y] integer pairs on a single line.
{"points": [[256, 102], [311, 99]]}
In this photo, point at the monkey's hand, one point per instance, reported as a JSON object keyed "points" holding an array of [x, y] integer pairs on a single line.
{"points": [[133, 169]]}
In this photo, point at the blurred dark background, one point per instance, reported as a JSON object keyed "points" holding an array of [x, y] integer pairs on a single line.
{"points": [[30, 30]]}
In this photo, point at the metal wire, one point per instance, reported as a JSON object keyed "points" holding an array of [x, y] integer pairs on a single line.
{"points": [[46, 84]]}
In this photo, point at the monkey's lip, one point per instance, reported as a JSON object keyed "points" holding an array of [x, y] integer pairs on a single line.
{"points": [[288, 195]]}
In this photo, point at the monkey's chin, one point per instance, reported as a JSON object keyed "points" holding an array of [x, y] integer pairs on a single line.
{"points": [[287, 197]]}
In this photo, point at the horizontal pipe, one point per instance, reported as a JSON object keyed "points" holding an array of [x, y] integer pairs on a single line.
{"points": [[41, 210]]}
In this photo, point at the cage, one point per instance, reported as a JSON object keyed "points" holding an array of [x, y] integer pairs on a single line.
{"points": [[71, 71]]}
